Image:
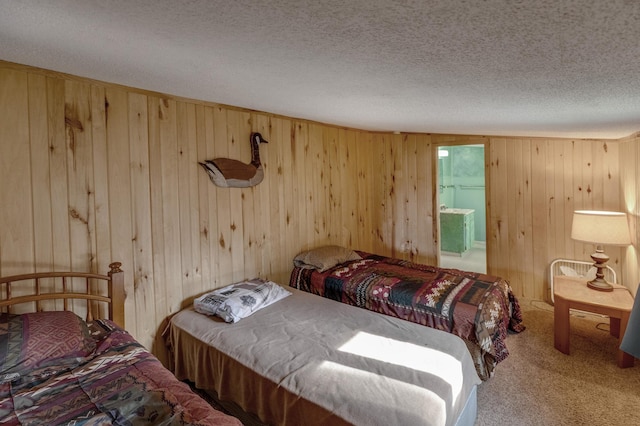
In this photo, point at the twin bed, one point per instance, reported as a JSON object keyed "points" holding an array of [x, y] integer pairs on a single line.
{"points": [[302, 359], [56, 368], [312, 361], [479, 308]]}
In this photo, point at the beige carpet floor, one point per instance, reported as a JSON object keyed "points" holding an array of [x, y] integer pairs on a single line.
{"points": [[539, 385]]}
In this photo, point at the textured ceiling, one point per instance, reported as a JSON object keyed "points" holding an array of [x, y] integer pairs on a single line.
{"points": [[566, 68]]}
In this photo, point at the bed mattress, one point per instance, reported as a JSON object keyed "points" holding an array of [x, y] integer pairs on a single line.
{"points": [[310, 360]]}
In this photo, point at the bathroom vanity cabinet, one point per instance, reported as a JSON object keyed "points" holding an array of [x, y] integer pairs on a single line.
{"points": [[457, 230]]}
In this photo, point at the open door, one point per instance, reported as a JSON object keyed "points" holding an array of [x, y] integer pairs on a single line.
{"points": [[462, 207]]}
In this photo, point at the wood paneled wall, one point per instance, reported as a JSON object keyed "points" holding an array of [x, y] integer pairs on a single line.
{"points": [[92, 172]]}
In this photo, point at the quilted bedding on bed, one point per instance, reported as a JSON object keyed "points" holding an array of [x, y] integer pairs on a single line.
{"points": [[480, 309], [118, 382]]}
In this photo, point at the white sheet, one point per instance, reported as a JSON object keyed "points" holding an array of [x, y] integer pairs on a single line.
{"points": [[367, 368]]}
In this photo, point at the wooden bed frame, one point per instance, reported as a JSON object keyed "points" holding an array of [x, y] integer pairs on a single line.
{"points": [[114, 280]]}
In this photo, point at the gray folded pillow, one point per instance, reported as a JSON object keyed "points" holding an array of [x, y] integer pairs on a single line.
{"points": [[326, 257], [239, 300]]}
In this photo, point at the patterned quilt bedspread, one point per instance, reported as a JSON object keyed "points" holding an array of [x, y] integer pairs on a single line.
{"points": [[116, 381], [479, 308]]}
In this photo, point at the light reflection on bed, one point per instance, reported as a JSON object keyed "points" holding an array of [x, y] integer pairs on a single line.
{"points": [[408, 355]]}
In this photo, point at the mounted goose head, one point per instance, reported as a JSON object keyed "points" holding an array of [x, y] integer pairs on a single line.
{"points": [[226, 172]]}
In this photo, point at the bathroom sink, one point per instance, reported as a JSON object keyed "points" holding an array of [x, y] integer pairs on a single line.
{"points": [[456, 211]]}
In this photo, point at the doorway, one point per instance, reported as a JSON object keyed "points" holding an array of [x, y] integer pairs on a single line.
{"points": [[462, 207]]}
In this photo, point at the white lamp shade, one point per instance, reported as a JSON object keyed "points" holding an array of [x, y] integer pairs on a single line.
{"points": [[600, 227]]}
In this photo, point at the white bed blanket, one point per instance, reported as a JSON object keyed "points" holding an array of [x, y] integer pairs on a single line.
{"points": [[367, 368]]}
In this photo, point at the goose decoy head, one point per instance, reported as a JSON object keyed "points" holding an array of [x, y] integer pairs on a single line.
{"points": [[257, 138]]}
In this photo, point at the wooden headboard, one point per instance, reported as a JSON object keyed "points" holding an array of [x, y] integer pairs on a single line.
{"points": [[114, 281]]}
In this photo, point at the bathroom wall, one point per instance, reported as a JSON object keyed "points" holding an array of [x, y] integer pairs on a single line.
{"points": [[462, 182]]}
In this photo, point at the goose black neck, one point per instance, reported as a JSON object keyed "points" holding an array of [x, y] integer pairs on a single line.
{"points": [[255, 150]]}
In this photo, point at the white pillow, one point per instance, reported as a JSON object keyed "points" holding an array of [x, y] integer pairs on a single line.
{"points": [[591, 274], [239, 300], [568, 271]]}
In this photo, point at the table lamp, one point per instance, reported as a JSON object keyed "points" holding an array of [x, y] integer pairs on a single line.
{"points": [[600, 228]]}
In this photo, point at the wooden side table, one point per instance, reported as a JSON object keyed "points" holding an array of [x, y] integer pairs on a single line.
{"points": [[572, 292]]}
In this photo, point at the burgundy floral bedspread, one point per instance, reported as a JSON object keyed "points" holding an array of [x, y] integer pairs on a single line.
{"points": [[477, 307], [119, 383]]}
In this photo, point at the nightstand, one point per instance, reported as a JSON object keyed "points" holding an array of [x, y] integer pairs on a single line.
{"points": [[573, 293]]}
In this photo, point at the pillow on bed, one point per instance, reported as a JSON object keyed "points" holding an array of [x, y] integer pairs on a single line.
{"points": [[33, 340], [323, 258], [239, 300], [568, 271]]}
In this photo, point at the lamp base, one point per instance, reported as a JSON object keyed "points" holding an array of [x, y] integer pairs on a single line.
{"points": [[599, 262], [599, 285]]}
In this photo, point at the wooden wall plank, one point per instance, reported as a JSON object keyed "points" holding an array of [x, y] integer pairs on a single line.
{"points": [[395, 241], [207, 226], [16, 229], [581, 196], [348, 211], [562, 198], [261, 217], [120, 207], [289, 246], [611, 169], [541, 180], [597, 174], [81, 188], [498, 232], [314, 193], [300, 206], [142, 267], [187, 200], [161, 282], [334, 194], [58, 174], [101, 239], [239, 127], [413, 216], [307, 176], [513, 165], [366, 200], [290, 231], [274, 248], [101, 180], [221, 210], [382, 183], [196, 285], [169, 173], [526, 233], [40, 181], [572, 191], [426, 249], [40, 175]]}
